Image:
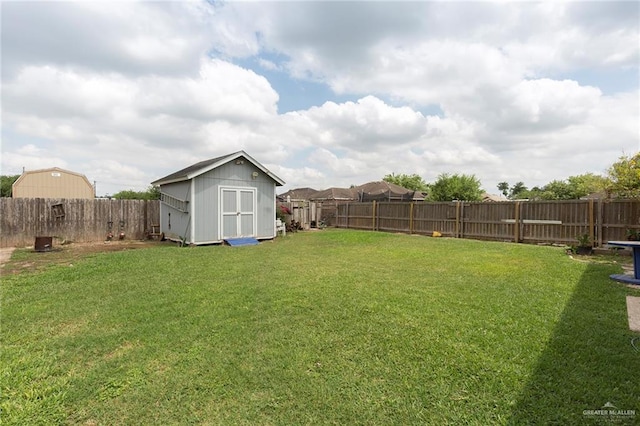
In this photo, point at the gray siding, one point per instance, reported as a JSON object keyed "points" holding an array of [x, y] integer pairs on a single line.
{"points": [[206, 206], [176, 224]]}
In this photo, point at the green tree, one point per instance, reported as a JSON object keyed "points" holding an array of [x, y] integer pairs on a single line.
{"points": [[5, 184], [152, 193], [625, 176], [588, 183], [455, 187], [557, 190], [504, 188], [518, 190], [413, 182], [534, 193], [573, 188]]}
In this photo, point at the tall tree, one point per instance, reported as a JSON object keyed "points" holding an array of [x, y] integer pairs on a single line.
{"points": [[587, 183], [518, 190], [504, 188], [625, 176], [455, 187], [414, 181], [557, 190], [6, 182]]}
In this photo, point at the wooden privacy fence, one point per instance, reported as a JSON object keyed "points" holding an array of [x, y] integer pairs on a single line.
{"points": [[559, 222], [310, 213], [23, 219]]}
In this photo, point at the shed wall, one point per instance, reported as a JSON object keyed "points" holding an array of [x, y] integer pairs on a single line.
{"points": [[176, 224], [205, 209]]}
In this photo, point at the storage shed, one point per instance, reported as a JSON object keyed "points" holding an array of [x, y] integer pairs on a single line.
{"points": [[52, 183], [226, 197]]}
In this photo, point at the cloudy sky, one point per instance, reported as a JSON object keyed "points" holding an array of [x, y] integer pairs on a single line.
{"points": [[322, 93]]}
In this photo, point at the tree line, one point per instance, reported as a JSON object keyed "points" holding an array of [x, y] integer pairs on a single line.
{"points": [[622, 181]]}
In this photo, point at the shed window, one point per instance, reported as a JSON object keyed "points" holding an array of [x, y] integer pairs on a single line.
{"points": [[176, 203]]}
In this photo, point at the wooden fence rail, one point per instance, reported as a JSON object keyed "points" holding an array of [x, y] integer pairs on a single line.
{"points": [[22, 219], [559, 222]]}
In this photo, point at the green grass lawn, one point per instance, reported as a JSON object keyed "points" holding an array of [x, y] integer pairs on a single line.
{"points": [[330, 327]]}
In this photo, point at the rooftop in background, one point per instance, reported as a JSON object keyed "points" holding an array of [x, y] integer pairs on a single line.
{"points": [[336, 194], [493, 197], [379, 190], [298, 194]]}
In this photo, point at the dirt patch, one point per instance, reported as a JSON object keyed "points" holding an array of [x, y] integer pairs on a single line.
{"points": [[28, 260], [5, 255]]}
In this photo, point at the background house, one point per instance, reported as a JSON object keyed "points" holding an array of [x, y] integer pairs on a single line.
{"points": [[297, 194], [222, 198], [52, 183], [311, 208], [486, 197]]}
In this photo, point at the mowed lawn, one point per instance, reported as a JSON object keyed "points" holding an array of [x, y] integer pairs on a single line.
{"points": [[327, 327]]}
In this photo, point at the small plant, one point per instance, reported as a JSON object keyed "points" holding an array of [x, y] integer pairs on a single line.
{"points": [[281, 213], [584, 240], [584, 244], [633, 235]]}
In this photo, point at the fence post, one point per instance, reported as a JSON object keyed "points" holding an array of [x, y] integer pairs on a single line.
{"points": [[373, 215], [411, 218], [458, 219], [591, 224], [346, 222], [599, 220], [516, 222]]}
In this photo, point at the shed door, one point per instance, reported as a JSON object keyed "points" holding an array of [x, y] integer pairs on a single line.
{"points": [[238, 213]]}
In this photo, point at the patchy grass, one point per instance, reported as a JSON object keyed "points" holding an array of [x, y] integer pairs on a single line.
{"points": [[339, 327]]}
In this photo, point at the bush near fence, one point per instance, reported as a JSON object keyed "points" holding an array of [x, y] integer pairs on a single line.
{"points": [[553, 222], [78, 220]]}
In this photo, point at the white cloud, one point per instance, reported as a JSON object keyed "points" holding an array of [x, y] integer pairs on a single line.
{"points": [[57, 97], [304, 176], [128, 37], [130, 93], [432, 72], [112, 115], [542, 105], [365, 123]]}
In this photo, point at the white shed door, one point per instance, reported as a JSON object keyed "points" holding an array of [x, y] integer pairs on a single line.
{"points": [[238, 212]]}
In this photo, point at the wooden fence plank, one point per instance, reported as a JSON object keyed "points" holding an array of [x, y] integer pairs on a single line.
{"points": [[619, 217]]}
